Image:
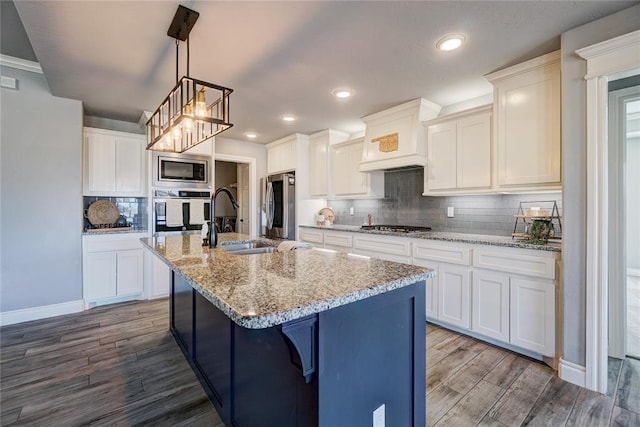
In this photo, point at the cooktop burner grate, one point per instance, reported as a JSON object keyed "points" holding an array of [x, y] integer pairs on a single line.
{"points": [[396, 228]]}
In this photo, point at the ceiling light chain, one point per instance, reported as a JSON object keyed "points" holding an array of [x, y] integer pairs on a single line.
{"points": [[194, 110]]}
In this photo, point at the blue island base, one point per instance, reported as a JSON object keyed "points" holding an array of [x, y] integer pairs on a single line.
{"points": [[330, 369]]}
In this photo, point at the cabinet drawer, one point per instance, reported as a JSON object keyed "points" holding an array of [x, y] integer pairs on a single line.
{"points": [[442, 253], [513, 262], [384, 245], [312, 236], [99, 244], [338, 239]]}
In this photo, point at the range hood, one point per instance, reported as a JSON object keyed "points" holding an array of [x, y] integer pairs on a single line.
{"points": [[394, 138]]}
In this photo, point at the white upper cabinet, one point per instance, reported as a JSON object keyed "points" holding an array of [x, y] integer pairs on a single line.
{"points": [[281, 155], [320, 160], [348, 181], [114, 163], [459, 153], [527, 124]]}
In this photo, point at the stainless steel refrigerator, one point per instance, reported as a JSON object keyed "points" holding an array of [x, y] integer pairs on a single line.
{"points": [[279, 206]]}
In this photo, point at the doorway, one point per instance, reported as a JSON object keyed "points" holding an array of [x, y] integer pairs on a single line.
{"points": [[239, 174], [624, 228]]}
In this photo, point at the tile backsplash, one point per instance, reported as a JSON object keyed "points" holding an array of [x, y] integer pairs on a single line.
{"points": [[134, 209], [404, 204]]}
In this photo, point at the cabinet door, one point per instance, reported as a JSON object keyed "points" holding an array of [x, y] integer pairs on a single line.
{"points": [[341, 175], [528, 120], [474, 152], [130, 170], [358, 181], [490, 296], [281, 157], [288, 156], [441, 156], [100, 275], [533, 315], [273, 159], [454, 295], [129, 272], [100, 163], [161, 278], [318, 158]]}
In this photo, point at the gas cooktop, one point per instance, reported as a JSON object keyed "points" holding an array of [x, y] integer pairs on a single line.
{"points": [[395, 228]]}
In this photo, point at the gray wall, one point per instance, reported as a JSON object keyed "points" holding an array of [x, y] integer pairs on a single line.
{"points": [[404, 204], [41, 203], [574, 163]]}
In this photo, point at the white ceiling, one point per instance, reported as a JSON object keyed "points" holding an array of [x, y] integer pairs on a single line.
{"points": [[287, 57]]}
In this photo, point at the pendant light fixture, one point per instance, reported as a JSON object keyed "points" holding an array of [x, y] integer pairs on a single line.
{"points": [[194, 110]]}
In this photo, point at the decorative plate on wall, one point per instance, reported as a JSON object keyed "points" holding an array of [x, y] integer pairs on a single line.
{"points": [[102, 212], [328, 214]]}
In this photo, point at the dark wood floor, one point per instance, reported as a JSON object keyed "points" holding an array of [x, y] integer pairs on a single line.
{"points": [[119, 365]]}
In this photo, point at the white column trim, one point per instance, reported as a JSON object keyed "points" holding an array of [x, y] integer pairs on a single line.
{"points": [[604, 60], [42, 312]]}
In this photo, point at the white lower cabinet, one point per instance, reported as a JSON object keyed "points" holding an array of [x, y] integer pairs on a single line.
{"points": [[490, 296], [112, 268], [100, 275], [454, 295], [502, 293], [157, 276], [533, 315]]}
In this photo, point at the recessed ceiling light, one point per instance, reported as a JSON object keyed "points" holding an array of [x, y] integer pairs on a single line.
{"points": [[342, 93], [288, 118], [451, 42], [251, 135]]}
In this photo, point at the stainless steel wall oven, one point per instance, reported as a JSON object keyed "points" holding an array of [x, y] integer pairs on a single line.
{"points": [[179, 211]]}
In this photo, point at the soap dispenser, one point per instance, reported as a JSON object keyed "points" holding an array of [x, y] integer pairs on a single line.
{"points": [[204, 233]]}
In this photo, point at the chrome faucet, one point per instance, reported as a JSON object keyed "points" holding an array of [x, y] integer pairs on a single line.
{"points": [[213, 234]]}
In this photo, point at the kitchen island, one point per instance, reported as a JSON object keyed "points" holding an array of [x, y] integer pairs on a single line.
{"points": [[299, 338]]}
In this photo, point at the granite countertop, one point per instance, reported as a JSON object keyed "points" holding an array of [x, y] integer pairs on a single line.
{"points": [[478, 239], [262, 290]]}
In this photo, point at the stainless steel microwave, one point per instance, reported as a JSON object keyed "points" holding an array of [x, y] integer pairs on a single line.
{"points": [[181, 171]]}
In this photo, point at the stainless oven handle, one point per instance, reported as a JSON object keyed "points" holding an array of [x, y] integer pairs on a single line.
{"points": [[270, 205]]}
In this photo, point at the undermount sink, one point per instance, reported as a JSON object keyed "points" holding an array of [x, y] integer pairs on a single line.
{"points": [[250, 251], [248, 248]]}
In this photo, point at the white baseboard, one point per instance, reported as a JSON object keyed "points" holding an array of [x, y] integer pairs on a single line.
{"points": [[573, 373], [42, 312]]}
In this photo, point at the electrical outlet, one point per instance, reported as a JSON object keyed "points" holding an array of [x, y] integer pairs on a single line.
{"points": [[351, 210], [450, 212], [378, 416]]}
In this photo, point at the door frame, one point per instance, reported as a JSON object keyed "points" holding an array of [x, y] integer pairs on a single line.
{"points": [[606, 61], [253, 188]]}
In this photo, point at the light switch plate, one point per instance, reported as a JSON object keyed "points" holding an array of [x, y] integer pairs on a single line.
{"points": [[450, 212], [351, 210]]}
